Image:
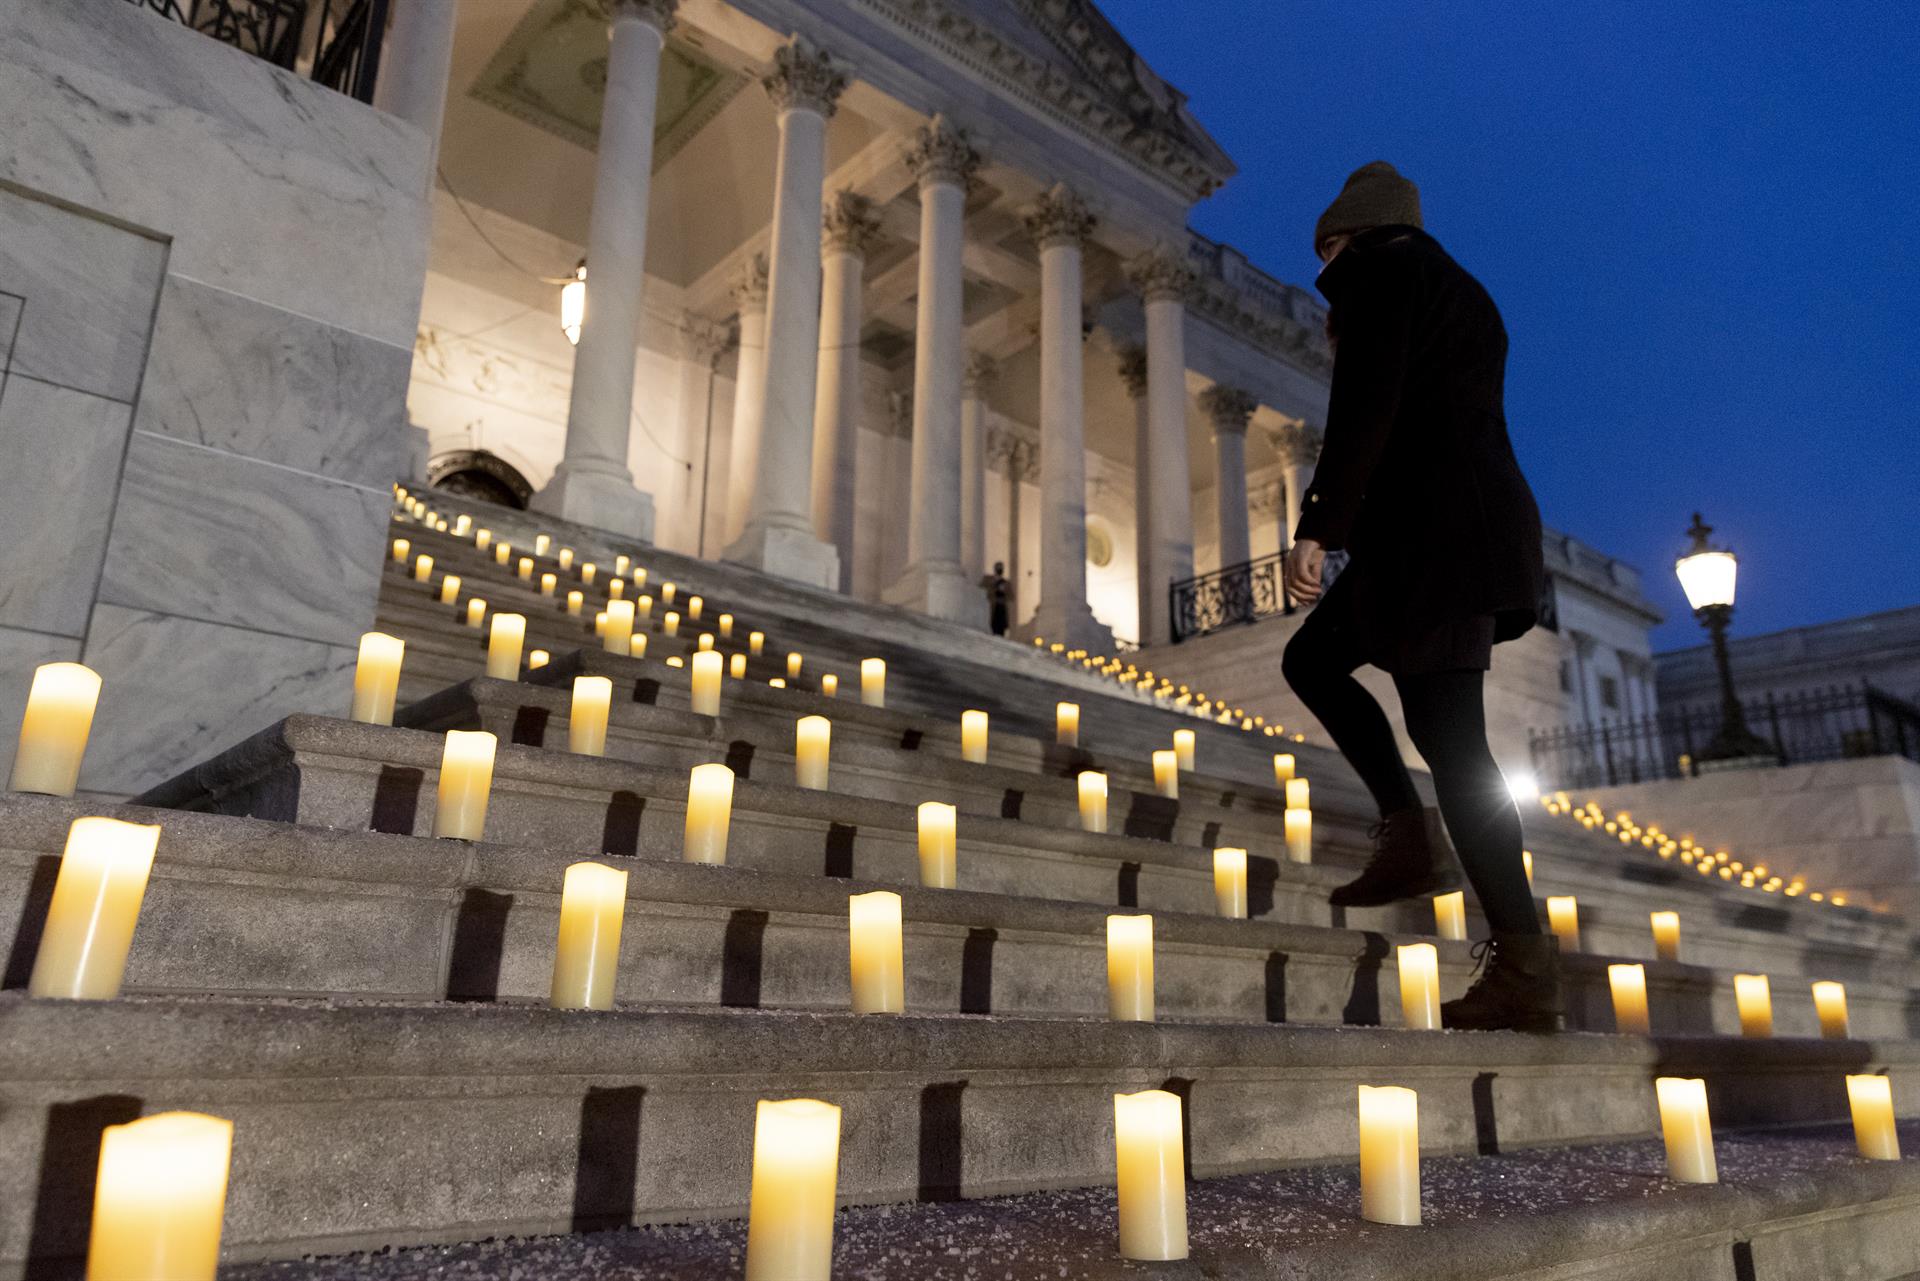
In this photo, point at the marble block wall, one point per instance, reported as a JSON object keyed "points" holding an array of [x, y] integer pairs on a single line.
{"points": [[209, 279]]}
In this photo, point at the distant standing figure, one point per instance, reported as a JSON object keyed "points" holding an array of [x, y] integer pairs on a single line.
{"points": [[998, 589]]}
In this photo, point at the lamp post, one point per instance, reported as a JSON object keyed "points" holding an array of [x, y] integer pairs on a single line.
{"points": [[1707, 576]]}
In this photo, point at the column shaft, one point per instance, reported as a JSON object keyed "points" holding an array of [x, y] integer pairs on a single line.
{"points": [[973, 468], [1169, 514], [736, 470], [1230, 408], [836, 411], [416, 58]]}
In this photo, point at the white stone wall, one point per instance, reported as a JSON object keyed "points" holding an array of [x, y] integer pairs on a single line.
{"points": [[1602, 642]]}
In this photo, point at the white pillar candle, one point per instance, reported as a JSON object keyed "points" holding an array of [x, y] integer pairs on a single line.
{"points": [[873, 682], [600, 623], [939, 840], [566, 558], [666, 593], [482, 539], [588, 570], [587, 715], [461, 524], [466, 778], [670, 625], [812, 745], [793, 666], [548, 584], [1166, 774], [422, 569], [1390, 1155], [973, 737], [756, 643], [1450, 915], [376, 678], [509, 632], [796, 1164], [694, 605], [54, 730], [476, 612], [737, 666], [1754, 998], [401, 548], [1420, 985], [725, 623], [593, 903], [1563, 918], [502, 553], [538, 658], [674, 660], [1687, 1129], [1130, 968], [617, 590], [873, 933], [621, 563], [1066, 724], [704, 682], [1093, 801], [709, 811], [526, 569], [576, 602], [1282, 769], [1830, 1003], [1183, 748], [778, 682], [450, 590], [1150, 1175], [1666, 935], [1629, 984], [160, 1197], [705, 642], [540, 544], [95, 905], [1871, 1100], [1299, 830], [617, 638], [1230, 882], [830, 686], [1298, 794]]}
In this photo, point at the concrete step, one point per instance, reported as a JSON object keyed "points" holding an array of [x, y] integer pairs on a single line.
{"points": [[367, 1125], [1793, 1205], [242, 907]]}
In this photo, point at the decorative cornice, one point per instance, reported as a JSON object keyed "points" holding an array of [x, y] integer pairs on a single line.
{"points": [[849, 225], [941, 153], [1228, 407], [750, 289], [1133, 370], [1161, 275], [1059, 217], [980, 373], [804, 78], [1297, 444], [1280, 319], [655, 13], [1014, 451], [703, 340]]}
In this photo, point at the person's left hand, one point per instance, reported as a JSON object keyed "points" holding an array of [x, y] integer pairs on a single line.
{"points": [[1304, 561]]}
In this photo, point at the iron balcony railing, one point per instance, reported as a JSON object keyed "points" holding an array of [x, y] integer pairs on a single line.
{"points": [[1240, 593], [332, 42], [1837, 723]]}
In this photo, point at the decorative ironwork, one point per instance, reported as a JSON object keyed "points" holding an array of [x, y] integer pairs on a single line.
{"points": [[1840, 722], [1241, 593], [332, 42]]}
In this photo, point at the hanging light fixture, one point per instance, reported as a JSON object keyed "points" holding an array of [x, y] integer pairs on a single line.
{"points": [[573, 303]]}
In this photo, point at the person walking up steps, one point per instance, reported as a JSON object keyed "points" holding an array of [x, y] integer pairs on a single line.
{"points": [[1418, 483]]}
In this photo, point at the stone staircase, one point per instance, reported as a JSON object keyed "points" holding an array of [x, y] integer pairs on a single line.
{"points": [[367, 1003]]}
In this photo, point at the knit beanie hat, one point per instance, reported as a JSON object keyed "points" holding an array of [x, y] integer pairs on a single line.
{"points": [[1375, 196]]}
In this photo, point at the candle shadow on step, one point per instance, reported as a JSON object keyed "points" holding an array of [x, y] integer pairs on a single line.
{"points": [[530, 726], [479, 944], [1263, 876], [742, 956], [606, 1171], [1151, 818], [976, 971], [740, 758], [1128, 891], [33, 921], [1486, 1125], [620, 833], [1276, 987], [69, 1164], [1363, 1003], [1743, 1269], [1182, 1088], [839, 851], [940, 1140], [396, 799]]}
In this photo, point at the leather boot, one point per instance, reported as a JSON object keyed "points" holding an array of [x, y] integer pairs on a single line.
{"points": [[1518, 989], [1411, 858]]}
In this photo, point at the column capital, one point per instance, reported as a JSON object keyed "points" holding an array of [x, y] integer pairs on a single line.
{"points": [[1133, 370], [1228, 407], [703, 340], [850, 224], [657, 14], [1161, 275], [1059, 217], [750, 287], [804, 78], [980, 372], [942, 153], [1296, 443]]}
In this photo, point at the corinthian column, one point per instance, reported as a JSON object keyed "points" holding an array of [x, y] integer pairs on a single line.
{"points": [[1164, 279], [934, 582], [850, 226], [1299, 448], [592, 484], [415, 59], [734, 466], [1229, 408], [778, 536], [973, 465], [1133, 375]]}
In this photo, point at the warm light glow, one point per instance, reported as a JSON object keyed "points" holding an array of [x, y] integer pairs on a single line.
{"points": [[476, 612], [1298, 794], [422, 569], [376, 678], [1230, 882], [873, 681], [159, 1198], [1093, 801], [466, 779], [1166, 774], [450, 590], [1523, 787], [1420, 985], [704, 683], [737, 667], [794, 660], [95, 905], [1298, 825], [573, 305], [829, 686], [1183, 748], [1390, 1155], [873, 925], [813, 739], [1130, 968], [587, 715], [1707, 577], [1754, 997], [617, 636], [509, 632], [1871, 1100], [1563, 918], [1450, 915], [796, 1164], [1830, 1003], [1283, 767], [939, 839], [54, 730], [1687, 1129], [593, 903], [973, 737], [1666, 935], [1066, 724], [709, 813], [1150, 1175], [1629, 986]]}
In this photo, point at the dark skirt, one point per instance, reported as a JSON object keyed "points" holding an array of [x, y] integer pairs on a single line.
{"points": [[1444, 645]]}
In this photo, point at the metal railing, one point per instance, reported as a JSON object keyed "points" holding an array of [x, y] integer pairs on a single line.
{"points": [[1837, 723], [1240, 593], [335, 43]]}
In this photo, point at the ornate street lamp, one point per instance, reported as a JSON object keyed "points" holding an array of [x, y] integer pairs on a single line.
{"points": [[1707, 576], [573, 303]]}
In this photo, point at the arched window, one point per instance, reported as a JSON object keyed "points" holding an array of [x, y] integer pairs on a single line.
{"points": [[475, 473]]}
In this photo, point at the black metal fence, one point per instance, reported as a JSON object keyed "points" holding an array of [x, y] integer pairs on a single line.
{"points": [[332, 42], [1237, 594], [1836, 723]]}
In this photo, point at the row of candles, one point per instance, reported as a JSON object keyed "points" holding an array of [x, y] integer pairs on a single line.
{"points": [[1164, 690]]}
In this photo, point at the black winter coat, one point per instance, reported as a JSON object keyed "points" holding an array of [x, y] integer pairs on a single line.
{"points": [[1417, 478]]}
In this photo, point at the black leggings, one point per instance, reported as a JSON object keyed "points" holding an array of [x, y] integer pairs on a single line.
{"points": [[1447, 722]]}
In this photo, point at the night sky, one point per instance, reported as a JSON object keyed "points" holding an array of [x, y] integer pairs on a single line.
{"points": [[1701, 222]]}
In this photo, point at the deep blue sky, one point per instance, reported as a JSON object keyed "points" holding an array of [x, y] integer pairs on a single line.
{"points": [[1701, 221]]}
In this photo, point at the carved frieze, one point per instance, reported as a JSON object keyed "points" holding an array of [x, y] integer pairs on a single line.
{"points": [[849, 224], [804, 78], [942, 153], [1059, 217]]}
